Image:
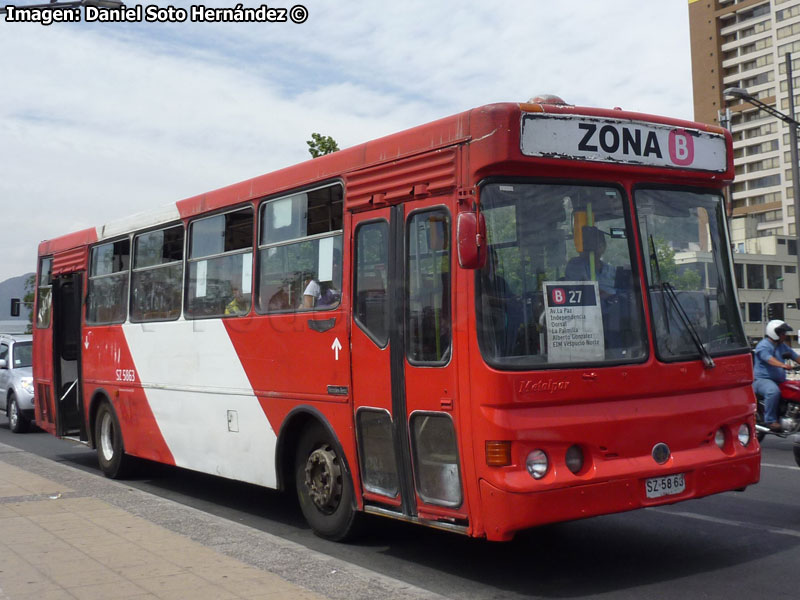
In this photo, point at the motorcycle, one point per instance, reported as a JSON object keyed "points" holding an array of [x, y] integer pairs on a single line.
{"points": [[788, 414]]}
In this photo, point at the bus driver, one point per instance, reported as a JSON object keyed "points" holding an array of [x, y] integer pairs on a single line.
{"points": [[579, 267]]}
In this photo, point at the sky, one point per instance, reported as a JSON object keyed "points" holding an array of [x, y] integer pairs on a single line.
{"points": [[99, 121]]}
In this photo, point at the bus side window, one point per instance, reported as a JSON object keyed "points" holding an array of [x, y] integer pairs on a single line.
{"points": [[44, 294], [300, 251], [107, 300], [371, 289], [157, 278], [220, 265]]}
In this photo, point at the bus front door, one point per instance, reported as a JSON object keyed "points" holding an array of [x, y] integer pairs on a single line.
{"points": [[403, 369]]}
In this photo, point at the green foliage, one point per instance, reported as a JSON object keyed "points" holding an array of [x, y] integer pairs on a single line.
{"points": [[28, 301], [320, 145], [681, 279]]}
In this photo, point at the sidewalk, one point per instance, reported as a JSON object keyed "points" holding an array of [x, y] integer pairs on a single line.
{"points": [[65, 533]]}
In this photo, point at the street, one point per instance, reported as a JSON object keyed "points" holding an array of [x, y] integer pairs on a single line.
{"points": [[733, 545]]}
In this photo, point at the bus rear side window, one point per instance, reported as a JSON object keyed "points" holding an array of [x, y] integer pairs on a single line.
{"points": [[157, 278], [44, 296], [220, 265], [108, 283]]}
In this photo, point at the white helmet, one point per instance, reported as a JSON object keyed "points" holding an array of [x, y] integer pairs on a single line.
{"points": [[776, 328]]}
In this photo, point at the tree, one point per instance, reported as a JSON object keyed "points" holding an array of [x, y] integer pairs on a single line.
{"points": [[664, 264], [320, 145], [27, 300]]}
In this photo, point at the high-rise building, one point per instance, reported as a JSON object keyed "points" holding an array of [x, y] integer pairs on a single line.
{"points": [[743, 43]]}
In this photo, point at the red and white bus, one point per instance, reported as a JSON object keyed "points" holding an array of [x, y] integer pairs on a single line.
{"points": [[520, 314]]}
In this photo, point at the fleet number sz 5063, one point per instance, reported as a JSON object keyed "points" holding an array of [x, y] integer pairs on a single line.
{"points": [[126, 375]]}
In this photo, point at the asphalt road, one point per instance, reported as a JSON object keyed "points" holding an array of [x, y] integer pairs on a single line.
{"points": [[734, 545]]}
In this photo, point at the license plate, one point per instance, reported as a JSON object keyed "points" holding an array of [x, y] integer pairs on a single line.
{"points": [[655, 487]]}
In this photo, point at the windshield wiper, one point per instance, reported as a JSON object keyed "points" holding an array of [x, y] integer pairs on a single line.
{"points": [[669, 291]]}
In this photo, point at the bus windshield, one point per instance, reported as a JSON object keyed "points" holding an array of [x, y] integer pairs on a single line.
{"points": [[558, 286], [683, 241]]}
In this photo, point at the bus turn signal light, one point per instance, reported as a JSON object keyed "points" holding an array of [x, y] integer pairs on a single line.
{"points": [[498, 454]]}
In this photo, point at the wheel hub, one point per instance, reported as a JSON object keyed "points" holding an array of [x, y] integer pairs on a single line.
{"points": [[324, 479], [107, 437], [13, 416]]}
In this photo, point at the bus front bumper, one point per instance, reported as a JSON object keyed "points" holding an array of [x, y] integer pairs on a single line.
{"points": [[505, 513]]}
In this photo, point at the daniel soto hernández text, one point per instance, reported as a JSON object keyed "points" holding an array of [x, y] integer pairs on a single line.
{"points": [[153, 13]]}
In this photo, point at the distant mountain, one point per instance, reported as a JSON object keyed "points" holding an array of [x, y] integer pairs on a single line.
{"points": [[13, 288]]}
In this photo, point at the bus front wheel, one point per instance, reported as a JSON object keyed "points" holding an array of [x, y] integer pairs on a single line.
{"points": [[324, 486], [110, 447]]}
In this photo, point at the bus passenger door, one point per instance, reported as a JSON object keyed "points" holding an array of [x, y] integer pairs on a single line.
{"points": [[67, 385], [403, 380], [376, 429], [429, 375]]}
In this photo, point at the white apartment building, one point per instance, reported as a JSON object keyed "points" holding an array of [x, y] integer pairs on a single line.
{"points": [[743, 44]]}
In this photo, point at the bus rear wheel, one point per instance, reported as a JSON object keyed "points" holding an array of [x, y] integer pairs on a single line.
{"points": [[324, 486], [110, 447]]}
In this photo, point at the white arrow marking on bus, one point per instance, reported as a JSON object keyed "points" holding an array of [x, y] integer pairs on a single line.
{"points": [[336, 346]]}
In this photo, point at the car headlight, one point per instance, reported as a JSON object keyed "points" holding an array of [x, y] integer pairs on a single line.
{"points": [[27, 384]]}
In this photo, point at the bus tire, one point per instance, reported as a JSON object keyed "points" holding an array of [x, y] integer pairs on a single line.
{"points": [[16, 422], [324, 486], [114, 463]]}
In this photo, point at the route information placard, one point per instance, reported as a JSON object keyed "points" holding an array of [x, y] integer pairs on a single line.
{"points": [[574, 321]]}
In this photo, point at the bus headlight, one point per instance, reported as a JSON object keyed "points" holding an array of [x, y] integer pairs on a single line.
{"points": [[719, 437], [744, 434], [537, 464]]}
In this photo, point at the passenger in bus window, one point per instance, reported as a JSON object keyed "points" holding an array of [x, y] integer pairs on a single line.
{"points": [[579, 269], [330, 293], [311, 291], [280, 300], [237, 306]]}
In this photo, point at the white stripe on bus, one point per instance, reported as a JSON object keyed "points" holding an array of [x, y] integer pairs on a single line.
{"points": [[194, 424]]}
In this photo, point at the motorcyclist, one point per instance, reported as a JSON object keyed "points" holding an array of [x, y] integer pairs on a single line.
{"points": [[769, 369]]}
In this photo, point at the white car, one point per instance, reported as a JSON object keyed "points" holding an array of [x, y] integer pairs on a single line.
{"points": [[16, 380]]}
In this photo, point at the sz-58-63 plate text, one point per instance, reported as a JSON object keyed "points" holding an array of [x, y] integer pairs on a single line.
{"points": [[655, 487]]}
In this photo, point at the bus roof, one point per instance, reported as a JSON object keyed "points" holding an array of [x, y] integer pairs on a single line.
{"points": [[473, 126]]}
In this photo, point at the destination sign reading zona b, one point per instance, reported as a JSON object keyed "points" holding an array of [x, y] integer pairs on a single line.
{"points": [[622, 141]]}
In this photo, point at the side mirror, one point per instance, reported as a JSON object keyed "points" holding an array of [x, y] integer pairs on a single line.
{"points": [[15, 307], [3, 363], [471, 236]]}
